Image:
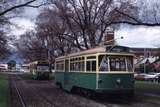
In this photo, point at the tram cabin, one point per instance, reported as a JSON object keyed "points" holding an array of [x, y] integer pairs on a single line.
{"points": [[39, 69], [101, 69]]}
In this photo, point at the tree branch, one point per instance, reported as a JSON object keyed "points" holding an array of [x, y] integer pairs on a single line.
{"points": [[37, 6], [124, 14], [131, 23], [136, 21], [15, 7]]}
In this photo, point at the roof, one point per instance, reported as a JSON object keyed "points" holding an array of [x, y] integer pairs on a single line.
{"points": [[147, 51], [98, 49]]}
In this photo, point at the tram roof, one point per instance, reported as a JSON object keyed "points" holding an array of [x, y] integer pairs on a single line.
{"points": [[98, 49]]}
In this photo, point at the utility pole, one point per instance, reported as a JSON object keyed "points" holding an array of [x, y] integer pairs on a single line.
{"points": [[48, 55], [144, 60]]}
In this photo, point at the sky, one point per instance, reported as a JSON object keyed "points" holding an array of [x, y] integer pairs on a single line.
{"points": [[139, 36], [133, 36], [22, 25]]}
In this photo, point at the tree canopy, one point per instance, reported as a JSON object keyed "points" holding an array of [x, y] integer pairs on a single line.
{"points": [[66, 26]]}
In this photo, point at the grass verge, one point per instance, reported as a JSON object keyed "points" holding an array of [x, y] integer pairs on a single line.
{"points": [[150, 91], [147, 86], [4, 91]]}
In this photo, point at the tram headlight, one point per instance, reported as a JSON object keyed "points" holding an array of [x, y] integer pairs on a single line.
{"points": [[118, 81]]}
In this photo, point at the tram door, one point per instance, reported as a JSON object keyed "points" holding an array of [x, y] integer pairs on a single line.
{"points": [[66, 74]]}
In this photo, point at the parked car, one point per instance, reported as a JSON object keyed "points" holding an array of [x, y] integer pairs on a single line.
{"points": [[147, 77], [141, 76], [155, 75]]}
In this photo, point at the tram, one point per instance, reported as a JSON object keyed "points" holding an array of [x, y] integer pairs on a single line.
{"points": [[103, 69], [39, 69]]}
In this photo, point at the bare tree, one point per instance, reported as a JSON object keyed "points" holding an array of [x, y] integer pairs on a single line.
{"points": [[52, 29], [73, 25], [10, 5], [31, 47], [3, 46], [87, 20], [9, 9]]}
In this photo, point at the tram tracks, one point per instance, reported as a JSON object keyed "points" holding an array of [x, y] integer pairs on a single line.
{"points": [[56, 97], [19, 95], [32, 98]]}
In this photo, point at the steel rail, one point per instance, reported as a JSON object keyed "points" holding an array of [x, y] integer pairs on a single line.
{"points": [[19, 95], [41, 96]]}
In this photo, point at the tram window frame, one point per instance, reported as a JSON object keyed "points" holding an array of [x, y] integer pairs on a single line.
{"points": [[76, 65], [60, 66], [91, 57], [89, 66], [115, 63], [129, 65], [66, 65], [91, 60]]}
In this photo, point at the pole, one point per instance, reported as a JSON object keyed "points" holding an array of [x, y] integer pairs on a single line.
{"points": [[144, 60], [48, 55]]}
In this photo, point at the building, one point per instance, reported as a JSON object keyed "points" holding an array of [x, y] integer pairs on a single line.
{"points": [[147, 59], [3, 67], [147, 52]]}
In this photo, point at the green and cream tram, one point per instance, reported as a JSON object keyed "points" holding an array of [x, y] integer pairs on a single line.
{"points": [[39, 69], [101, 69]]}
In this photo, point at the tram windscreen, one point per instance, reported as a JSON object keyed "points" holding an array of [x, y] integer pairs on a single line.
{"points": [[43, 67], [115, 63]]}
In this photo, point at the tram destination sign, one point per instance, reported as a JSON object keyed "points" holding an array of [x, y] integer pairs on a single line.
{"points": [[118, 49]]}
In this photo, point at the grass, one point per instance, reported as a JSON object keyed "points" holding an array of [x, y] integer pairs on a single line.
{"points": [[147, 86], [4, 90]]}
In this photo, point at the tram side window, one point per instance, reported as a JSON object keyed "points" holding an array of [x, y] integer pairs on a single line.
{"points": [[77, 65], [103, 63], [91, 66], [82, 66], [71, 66], [59, 67], [66, 65]]}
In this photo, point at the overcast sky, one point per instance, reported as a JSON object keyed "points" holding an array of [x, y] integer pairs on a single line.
{"points": [[139, 36], [134, 36]]}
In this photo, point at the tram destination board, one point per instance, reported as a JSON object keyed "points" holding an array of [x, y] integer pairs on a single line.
{"points": [[118, 49]]}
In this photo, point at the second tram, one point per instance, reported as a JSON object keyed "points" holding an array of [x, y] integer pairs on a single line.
{"points": [[40, 69]]}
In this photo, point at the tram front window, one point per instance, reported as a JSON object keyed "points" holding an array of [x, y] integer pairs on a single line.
{"points": [[43, 67], [117, 64]]}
